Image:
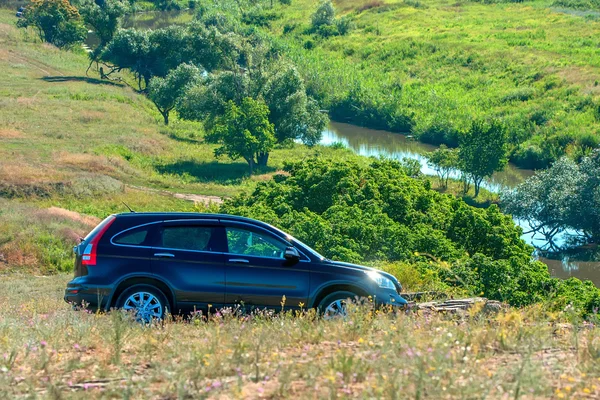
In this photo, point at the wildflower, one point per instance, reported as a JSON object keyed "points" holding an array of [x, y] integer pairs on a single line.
{"points": [[586, 390], [76, 346], [361, 340], [43, 343]]}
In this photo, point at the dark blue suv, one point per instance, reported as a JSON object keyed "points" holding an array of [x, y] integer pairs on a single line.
{"points": [[152, 263]]}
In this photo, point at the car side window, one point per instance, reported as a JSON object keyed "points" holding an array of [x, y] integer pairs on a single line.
{"points": [[249, 243], [134, 237], [198, 238]]}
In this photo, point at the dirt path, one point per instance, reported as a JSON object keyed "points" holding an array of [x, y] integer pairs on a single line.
{"points": [[196, 198]]}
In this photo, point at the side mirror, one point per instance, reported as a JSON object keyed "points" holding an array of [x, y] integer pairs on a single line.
{"points": [[291, 254]]}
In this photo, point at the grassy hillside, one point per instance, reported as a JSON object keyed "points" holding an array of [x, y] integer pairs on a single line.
{"points": [[69, 141], [432, 66]]}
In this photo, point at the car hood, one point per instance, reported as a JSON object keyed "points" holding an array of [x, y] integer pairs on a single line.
{"points": [[363, 268]]}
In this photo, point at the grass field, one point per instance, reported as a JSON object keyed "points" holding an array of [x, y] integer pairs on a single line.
{"points": [[432, 66], [49, 351]]}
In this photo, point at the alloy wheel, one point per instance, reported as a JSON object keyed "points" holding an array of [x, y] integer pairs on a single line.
{"points": [[336, 309], [145, 306]]}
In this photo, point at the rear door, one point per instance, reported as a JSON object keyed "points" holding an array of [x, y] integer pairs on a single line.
{"points": [[257, 274], [189, 255]]}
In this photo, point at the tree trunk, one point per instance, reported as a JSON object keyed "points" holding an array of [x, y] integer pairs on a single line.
{"points": [[262, 159], [465, 182], [477, 182], [250, 161], [165, 115]]}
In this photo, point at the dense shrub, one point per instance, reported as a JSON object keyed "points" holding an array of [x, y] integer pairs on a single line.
{"points": [[578, 4], [377, 214]]}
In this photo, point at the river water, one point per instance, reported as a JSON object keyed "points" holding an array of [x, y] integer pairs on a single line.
{"points": [[371, 142]]}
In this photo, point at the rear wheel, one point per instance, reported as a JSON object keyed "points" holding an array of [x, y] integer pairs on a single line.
{"points": [[146, 302], [335, 304]]}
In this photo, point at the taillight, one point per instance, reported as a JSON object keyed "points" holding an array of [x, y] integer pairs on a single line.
{"points": [[88, 257]]}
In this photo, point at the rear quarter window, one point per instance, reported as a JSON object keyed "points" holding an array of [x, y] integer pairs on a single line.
{"points": [[133, 237]]}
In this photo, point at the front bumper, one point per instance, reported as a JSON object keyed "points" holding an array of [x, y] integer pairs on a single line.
{"points": [[390, 298]]}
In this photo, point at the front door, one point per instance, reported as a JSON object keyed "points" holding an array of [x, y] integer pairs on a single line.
{"points": [[258, 275], [189, 255]]}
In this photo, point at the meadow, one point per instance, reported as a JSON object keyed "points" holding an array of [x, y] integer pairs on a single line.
{"points": [[430, 67], [49, 351]]}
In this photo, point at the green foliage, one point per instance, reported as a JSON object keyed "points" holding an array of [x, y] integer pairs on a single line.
{"points": [[566, 195], [165, 92], [378, 214], [104, 16], [435, 71], [578, 4], [443, 160], [56, 21], [324, 15], [293, 114], [483, 151], [244, 131], [154, 53]]}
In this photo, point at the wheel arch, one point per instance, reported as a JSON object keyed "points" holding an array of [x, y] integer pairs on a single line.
{"points": [[337, 287], [143, 280]]}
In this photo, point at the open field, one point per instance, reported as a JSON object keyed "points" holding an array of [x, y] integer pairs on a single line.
{"points": [[49, 351]]}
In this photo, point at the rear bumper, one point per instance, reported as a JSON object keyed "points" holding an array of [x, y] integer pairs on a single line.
{"points": [[90, 297]]}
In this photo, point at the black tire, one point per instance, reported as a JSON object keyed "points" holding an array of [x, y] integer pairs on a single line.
{"points": [[341, 296], [160, 305]]}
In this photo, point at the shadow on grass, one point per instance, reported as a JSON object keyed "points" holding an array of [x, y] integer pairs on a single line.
{"points": [[93, 81], [183, 139], [222, 173]]}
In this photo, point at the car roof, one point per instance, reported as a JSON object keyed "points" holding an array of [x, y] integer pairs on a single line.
{"points": [[189, 215]]}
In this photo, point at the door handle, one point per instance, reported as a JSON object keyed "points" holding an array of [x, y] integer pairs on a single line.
{"points": [[164, 255], [239, 260]]}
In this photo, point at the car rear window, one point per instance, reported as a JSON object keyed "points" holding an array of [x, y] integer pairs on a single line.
{"points": [[196, 238], [132, 237]]}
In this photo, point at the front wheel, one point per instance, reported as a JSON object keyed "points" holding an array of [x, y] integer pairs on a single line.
{"points": [[335, 304], [146, 302]]}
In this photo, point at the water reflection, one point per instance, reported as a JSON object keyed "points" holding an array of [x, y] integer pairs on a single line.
{"points": [[147, 20], [372, 142]]}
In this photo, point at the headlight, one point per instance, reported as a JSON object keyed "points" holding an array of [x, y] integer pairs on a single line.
{"points": [[381, 280]]}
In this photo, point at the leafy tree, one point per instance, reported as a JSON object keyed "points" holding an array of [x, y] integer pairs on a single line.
{"points": [[154, 53], [104, 16], [243, 131], [324, 15], [443, 160], [165, 92], [483, 151], [586, 208], [131, 49], [56, 21], [566, 195], [293, 114]]}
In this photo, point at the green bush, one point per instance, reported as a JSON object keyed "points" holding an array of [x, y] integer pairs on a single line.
{"points": [[377, 214]]}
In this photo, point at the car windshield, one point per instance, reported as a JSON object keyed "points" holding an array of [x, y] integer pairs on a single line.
{"points": [[304, 246]]}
